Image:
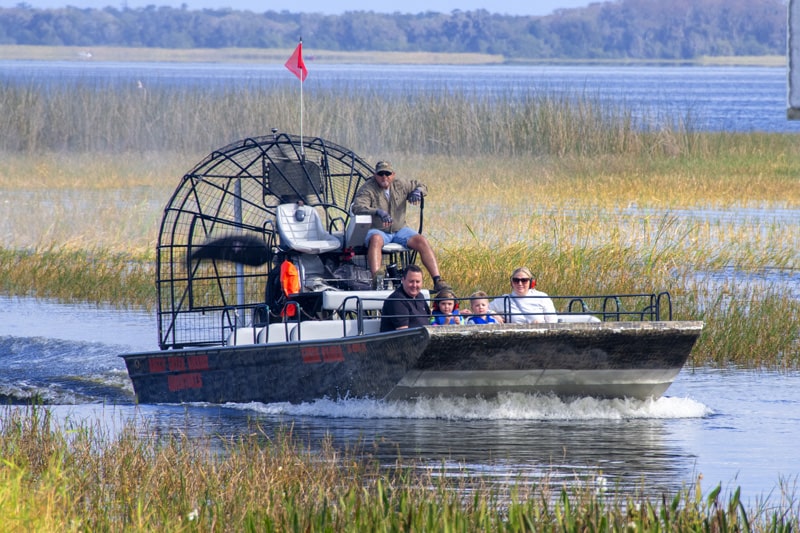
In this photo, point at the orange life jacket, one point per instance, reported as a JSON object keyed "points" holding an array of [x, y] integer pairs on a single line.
{"points": [[290, 284]]}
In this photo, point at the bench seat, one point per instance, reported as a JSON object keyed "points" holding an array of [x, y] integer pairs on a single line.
{"points": [[370, 300], [331, 329], [577, 317]]}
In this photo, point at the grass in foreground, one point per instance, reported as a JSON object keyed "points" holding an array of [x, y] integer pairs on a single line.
{"points": [[81, 479]]}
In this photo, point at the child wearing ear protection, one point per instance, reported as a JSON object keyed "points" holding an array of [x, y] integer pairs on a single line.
{"points": [[445, 309], [525, 304]]}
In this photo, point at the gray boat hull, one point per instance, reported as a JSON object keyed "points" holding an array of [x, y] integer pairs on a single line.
{"points": [[357, 366], [607, 359]]}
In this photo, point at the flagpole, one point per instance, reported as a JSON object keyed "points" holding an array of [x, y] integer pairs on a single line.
{"points": [[297, 67], [302, 146]]}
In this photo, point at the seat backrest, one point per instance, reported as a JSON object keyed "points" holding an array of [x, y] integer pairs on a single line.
{"points": [[356, 234], [317, 330], [301, 229], [372, 325], [348, 300], [291, 180], [332, 329], [277, 332], [357, 228], [577, 317], [245, 335]]}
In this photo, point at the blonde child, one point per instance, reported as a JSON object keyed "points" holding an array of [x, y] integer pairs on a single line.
{"points": [[479, 310]]}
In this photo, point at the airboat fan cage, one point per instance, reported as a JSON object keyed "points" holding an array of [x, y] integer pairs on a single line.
{"points": [[235, 192]]}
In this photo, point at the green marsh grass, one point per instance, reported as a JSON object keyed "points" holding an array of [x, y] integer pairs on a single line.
{"points": [[86, 115], [80, 477], [749, 327], [591, 198], [79, 275]]}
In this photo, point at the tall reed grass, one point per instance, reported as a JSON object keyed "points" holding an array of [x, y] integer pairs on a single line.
{"points": [[79, 275], [80, 478], [87, 115], [749, 327]]}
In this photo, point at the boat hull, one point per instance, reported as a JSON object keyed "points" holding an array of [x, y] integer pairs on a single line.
{"points": [[283, 372], [607, 359]]}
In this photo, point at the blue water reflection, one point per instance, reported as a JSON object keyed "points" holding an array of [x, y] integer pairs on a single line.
{"points": [[701, 98]]}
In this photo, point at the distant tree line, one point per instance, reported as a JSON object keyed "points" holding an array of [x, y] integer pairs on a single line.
{"points": [[636, 29]]}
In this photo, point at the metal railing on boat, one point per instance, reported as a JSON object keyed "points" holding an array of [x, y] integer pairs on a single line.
{"points": [[352, 308]]}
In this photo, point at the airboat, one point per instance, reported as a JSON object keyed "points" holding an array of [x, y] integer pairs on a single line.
{"points": [[230, 330]]}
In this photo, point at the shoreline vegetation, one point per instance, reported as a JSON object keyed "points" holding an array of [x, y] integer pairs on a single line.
{"points": [[278, 56], [591, 196], [618, 29], [81, 478]]}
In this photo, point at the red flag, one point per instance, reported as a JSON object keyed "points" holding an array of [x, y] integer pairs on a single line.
{"points": [[296, 64]]}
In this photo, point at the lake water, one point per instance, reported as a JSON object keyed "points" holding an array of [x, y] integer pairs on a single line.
{"points": [[735, 428], [707, 98]]}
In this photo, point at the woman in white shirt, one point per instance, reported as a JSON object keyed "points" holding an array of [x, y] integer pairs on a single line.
{"points": [[524, 304]]}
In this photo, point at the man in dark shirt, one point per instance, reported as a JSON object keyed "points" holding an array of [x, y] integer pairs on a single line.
{"points": [[406, 307]]}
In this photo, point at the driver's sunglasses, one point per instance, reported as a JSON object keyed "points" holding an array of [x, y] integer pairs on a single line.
{"points": [[384, 173], [520, 280]]}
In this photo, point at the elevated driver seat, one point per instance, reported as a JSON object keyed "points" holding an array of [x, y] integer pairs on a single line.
{"points": [[301, 230], [356, 233]]}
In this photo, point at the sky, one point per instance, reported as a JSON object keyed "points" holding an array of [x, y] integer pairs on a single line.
{"points": [[509, 7]]}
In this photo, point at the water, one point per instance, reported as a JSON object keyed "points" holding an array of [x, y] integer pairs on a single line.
{"points": [[705, 98], [736, 428]]}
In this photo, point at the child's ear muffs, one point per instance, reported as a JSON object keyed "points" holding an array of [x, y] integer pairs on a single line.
{"points": [[435, 306], [444, 294]]}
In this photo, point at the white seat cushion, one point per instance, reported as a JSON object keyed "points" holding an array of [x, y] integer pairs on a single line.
{"points": [[306, 235], [393, 248], [577, 317], [370, 300]]}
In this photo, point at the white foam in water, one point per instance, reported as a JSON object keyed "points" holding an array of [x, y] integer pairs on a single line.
{"points": [[512, 406]]}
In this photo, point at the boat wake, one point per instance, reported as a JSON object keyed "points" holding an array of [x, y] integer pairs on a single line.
{"points": [[61, 372], [510, 406]]}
